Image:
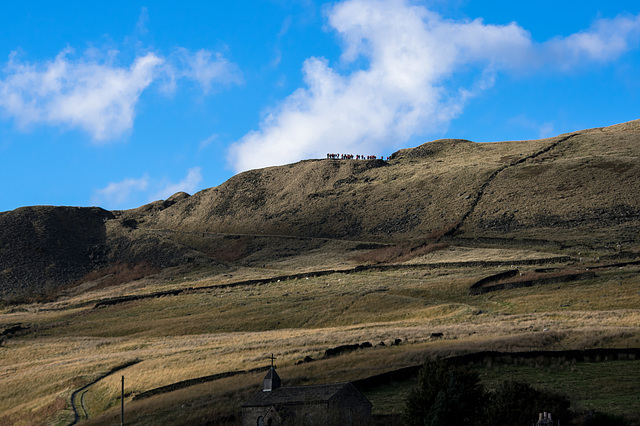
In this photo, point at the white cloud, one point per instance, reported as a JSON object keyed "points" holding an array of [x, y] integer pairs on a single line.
{"points": [[96, 97], [189, 184], [207, 67], [119, 194], [408, 86], [132, 192], [605, 40], [204, 66], [94, 94]]}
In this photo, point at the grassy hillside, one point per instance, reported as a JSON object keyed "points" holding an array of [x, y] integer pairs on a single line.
{"points": [[69, 342], [390, 250], [574, 189], [575, 184]]}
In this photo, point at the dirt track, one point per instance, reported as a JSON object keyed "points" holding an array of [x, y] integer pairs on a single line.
{"points": [[85, 388]]}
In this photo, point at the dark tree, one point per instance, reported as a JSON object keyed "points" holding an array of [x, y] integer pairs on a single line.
{"points": [[603, 419], [445, 395], [515, 403]]}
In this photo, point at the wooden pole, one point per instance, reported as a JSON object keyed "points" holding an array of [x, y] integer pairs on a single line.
{"points": [[122, 404]]}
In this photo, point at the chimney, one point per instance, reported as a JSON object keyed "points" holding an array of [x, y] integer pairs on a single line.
{"points": [[544, 419]]}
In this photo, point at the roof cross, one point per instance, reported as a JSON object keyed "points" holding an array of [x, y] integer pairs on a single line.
{"points": [[272, 358]]}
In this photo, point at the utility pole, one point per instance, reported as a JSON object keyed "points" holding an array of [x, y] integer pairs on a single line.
{"points": [[122, 404]]}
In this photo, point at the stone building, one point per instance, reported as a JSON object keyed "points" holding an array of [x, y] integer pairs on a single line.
{"points": [[330, 404]]}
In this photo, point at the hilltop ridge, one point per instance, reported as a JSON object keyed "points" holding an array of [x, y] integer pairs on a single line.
{"points": [[585, 179]]}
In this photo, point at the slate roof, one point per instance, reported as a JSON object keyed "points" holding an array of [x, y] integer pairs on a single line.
{"points": [[294, 395]]}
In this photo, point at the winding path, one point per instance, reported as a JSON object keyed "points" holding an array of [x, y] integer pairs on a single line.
{"points": [[74, 396]]}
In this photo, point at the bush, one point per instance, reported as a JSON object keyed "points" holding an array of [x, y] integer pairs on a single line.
{"points": [[449, 394], [602, 419], [515, 403], [445, 395]]}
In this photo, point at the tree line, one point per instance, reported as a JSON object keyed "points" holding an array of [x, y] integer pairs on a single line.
{"points": [[452, 395]]}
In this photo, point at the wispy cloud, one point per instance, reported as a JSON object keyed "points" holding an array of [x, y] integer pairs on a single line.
{"points": [[92, 92], [606, 40], [119, 194], [143, 21], [207, 142], [189, 185], [133, 192], [205, 67], [408, 85]]}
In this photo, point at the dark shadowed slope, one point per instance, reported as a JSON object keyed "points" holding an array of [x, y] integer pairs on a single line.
{"points": [[46, 247]]}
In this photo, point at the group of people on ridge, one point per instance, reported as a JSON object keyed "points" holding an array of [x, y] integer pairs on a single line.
{"points": [[351, 157]]}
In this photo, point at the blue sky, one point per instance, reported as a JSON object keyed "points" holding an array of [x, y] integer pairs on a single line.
{"points": [[119, 103]]}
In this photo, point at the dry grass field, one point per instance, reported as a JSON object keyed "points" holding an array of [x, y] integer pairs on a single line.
{"points": [[212, 283], [200, 333]]}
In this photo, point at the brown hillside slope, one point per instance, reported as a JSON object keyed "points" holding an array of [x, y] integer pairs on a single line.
{"points": [[582, 186], [414, 194], [587, 187]]}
